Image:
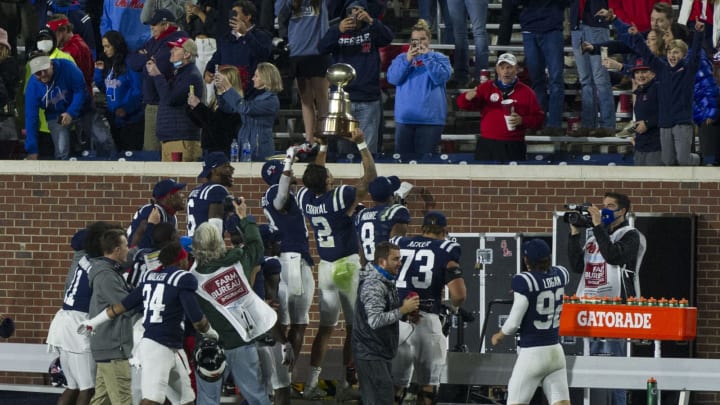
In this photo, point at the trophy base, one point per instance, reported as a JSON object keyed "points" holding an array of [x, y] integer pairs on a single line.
{"points": [[338, 127]]}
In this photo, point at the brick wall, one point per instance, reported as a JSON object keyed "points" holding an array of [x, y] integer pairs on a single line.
{"points": [[40, 212]]}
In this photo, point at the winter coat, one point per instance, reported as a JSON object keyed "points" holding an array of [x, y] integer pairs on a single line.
{"points": [[258, 111], [173, 123]]}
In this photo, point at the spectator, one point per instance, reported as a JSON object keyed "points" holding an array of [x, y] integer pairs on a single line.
{"points": [[477, 10], [509, 14], [175, 130], [258, 109], [58, 86], [219, 128], [308, 24], [596, 89], [123, 92], [420, 76], [541, 23], [9, 80], [176, 7], [703, 11], [638, 12], [193, 21], [646, 108], [112, 343], [355, 41], [675, 95], [81, 22], [124, 17], [156, 48], [244, 46], [168, 200], [503, 139], [241, 354], [377, 316]]}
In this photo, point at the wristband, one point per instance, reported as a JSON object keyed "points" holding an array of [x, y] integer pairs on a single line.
{"points": [[362, 145], [287, 165], [323, 148]]}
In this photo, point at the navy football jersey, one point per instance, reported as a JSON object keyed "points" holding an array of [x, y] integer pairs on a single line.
{"points": [[77, 295], [199, 202], [160, 293], [327, 213], [143, 213], [544, 292], [290, 224], [374, 224], [424, 268]]}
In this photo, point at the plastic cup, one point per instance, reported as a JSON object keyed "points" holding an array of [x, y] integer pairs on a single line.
{"points": [[176, 156], [603, 52], [508, 109]]}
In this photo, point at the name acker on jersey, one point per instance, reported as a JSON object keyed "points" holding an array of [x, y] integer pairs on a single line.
{"points": [[226, 287], [609, 319]]}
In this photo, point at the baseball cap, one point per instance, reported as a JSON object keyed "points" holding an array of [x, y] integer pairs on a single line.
{"points": [[639, 65], [165, 187], [55, 24], [271, 172], [356, 3], [383, 187], [536, 249], [162, 15], [39, 63], [77, 242], [507, 58], [185, 43], [435, 218], [212, 160]]}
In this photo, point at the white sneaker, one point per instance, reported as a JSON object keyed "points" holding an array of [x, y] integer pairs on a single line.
{"points": [[314, 392]]}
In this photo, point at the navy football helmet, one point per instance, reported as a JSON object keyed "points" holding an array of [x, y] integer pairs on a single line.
{"points": [[209, 359], [57, 377]]}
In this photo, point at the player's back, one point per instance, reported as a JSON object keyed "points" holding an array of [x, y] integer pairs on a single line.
{"points": [[142, 214], [199, 202], [290, 223], [327, 213], [77, 295], [374, 225], [424, 268], [164, 312], [544, 291]]}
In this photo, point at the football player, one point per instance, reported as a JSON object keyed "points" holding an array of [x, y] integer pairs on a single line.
{"points": [[167, 295], [167, 199], [206, 203], [538, 298], [429, 263], [384, 220], [329, 210], [285, 217]]}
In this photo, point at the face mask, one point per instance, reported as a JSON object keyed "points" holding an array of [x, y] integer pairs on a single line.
{"points": [[607, 216], [45, 45], [177, 64]]}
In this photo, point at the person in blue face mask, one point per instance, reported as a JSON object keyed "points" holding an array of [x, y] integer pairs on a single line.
{"points": [[609, 261]]}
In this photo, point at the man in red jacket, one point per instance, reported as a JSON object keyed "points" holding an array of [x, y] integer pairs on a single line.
{"points": [[73, 44], [503, 122]]}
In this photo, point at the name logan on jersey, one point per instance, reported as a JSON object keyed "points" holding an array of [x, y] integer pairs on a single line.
{"points": [[630, 320]]}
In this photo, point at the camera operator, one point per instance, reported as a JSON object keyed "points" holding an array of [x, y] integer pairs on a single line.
{"points": [[609, 261]]}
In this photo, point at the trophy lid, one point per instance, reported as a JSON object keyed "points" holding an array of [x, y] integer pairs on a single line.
{"points": [[340, 74]]}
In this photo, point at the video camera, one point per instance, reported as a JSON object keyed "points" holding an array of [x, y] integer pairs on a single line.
{"points": [[578, 215]]}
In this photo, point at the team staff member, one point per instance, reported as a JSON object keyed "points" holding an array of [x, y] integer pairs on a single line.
{"points": [[430, 262], [609, 261], [538, 297], [496, 141], [376, 332]]}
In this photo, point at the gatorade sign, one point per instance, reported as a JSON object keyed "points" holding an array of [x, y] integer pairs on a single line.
{"points": [[628, 321]]}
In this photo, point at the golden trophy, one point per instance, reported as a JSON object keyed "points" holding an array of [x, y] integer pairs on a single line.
{"points": [[339, 121]]}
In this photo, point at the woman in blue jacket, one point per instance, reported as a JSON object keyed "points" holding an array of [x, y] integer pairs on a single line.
{"points": [[123, 92], [420, 105], [258, 109]]}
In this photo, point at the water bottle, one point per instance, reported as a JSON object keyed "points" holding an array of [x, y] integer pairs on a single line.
{"points": [[234, 151], [652, 392], [246, 154]]}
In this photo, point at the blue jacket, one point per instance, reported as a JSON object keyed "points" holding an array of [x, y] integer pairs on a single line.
{"points": [[124, 16], [705, 101], [258, 111], [420, 93], [359, 49], [173, 122], [67, 92], [675, 93], [123, 91], [540, 16], [244, 52], [158, 49], [647, 109], [305, 28]]}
